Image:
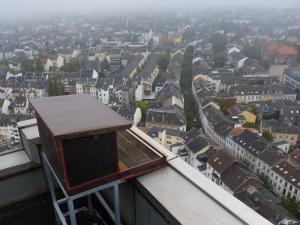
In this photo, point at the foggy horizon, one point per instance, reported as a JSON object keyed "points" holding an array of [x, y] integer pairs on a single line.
{"points": [[15, 10]]}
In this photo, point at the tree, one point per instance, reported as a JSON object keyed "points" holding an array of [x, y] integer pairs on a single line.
{"points": [[39, 66], [267, 135], [191, 111], [219, 60], [72, 66], [28, 65], [163, 61], [265, 64], [143, 105], [253, 51], [249, 125], [186, 85], [290, 205], [265, 180], [253, 108], [3, 67], [271, 116], [225, 103], [55, 87], [105, 64], [219, 42], [187, 68]]}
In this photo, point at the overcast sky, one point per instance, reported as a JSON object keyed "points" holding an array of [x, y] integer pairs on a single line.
{"points": [[20, 8]]}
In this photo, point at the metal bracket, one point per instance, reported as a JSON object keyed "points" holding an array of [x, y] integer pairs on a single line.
{"points": [[60, 218]]}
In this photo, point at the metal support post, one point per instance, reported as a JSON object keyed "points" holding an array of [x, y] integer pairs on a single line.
{"points": [[58, 214], [60, 218], [106, 206], [90, 204], [117, 204], [72, 212]]}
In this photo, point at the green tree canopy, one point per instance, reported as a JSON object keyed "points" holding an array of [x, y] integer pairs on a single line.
{"points": [[187, 68], [219, 42], [28, 65], [39, 66], [3, 67], [190, 106], [72, 66], [163, 61], [219, 60], [267, 135], [105, 64], [250, 125], [143, 105], [55, 87], [253, 51], [265, 180], [290, 205]]}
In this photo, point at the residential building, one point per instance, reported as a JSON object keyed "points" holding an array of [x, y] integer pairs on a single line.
{"points": [[171, 94], [247, 94], [241, 115], [167, 137], [291, 78], [266, 161], [217, 164], [279, 53], [147, 76], [53, 61], [281, 131], [20, 105], [229, 174], [133, 114], [4, 106], [285, 179], [196, 147], [267, 204], [69, 53], [86, 87], [104, 87], [172, 117]]}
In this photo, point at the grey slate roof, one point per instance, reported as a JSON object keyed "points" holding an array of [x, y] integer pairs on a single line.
{"points": [[270, 156], [169, 90], [174, 116], [198, 144], [149, 67]]}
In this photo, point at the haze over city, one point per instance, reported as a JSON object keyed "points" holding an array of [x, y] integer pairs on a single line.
{"points": [[16, 9]]}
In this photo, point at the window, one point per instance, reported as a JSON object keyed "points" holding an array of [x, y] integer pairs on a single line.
{"points": [[284, 191]]}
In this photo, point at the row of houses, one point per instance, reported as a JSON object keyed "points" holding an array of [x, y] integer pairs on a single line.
{"points": [[246, 145], [220, 167], [239, 180]]}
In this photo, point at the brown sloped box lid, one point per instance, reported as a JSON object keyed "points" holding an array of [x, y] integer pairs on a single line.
{"points": [[77, 115]]}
